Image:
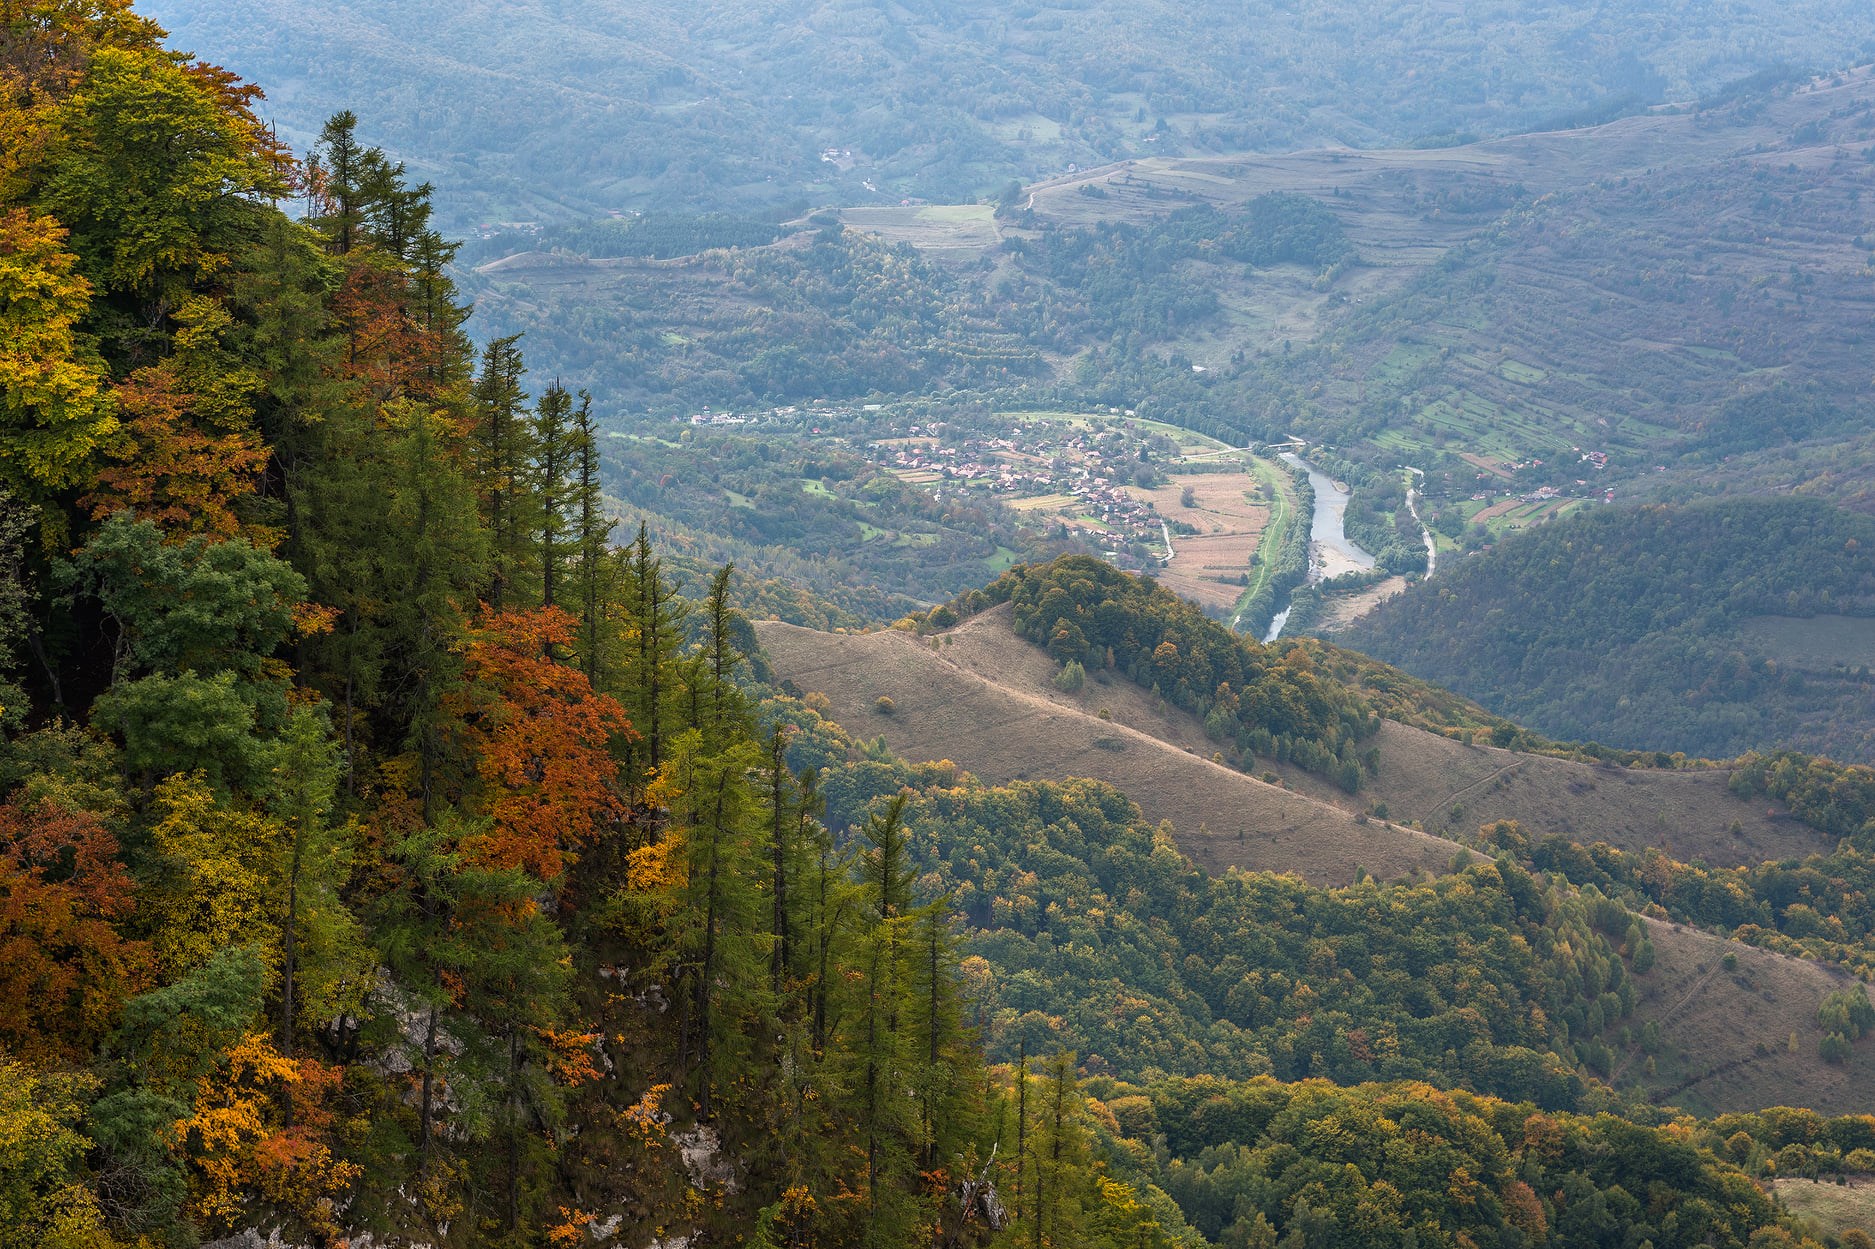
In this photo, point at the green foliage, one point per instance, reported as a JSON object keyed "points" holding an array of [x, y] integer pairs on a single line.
{"points": [[1288, 566], [1257, 701], [1107, 939], [1404, 1164], [203, 606], [1629, 620]]}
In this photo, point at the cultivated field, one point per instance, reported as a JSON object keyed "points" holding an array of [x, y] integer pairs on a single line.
{"points": [[1229, 516], [980, 696], [960, 231]]}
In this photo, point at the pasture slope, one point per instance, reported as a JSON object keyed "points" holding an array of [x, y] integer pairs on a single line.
{"points": [[942, 708], [981, 697]]}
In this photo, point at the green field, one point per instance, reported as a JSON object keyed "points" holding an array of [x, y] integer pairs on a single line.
{"points": [[1282, 514]]}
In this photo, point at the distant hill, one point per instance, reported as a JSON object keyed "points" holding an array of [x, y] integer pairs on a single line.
{"points": [[1712, 629], [1672, 305], [531, 109]]}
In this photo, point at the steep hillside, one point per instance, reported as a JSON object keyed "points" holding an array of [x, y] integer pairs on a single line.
{"points": [[943, 709], [1740, 1036], [945, 688]]}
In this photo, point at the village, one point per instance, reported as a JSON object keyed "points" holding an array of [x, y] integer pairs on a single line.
{"points": [[1090, 474]]}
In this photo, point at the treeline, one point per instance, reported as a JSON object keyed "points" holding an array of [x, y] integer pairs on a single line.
{"points": [[1256, 701], [382, 851], [1622, 625], [1261, 1163], [1817, 907], [662, 235]]}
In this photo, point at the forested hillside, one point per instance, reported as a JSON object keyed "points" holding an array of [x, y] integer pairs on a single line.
{"points": [[382, 851], [1712, 629]]}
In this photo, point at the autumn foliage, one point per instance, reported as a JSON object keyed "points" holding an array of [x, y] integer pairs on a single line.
{"points": [[540, 740], [64, 968]]}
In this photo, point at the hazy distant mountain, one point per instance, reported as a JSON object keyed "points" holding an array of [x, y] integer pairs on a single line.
{"points": [[538, 107]]}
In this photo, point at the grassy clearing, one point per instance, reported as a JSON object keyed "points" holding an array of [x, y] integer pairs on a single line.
{"points": [[1003, 560], [1834, 1209], [811, 486], [1041, 503]]}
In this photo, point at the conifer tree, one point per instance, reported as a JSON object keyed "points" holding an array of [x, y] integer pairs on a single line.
{"points": [[592, 567], [657, 614], [556, 440], [501, 461]]}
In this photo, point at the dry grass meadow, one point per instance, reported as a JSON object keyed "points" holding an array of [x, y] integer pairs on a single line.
{"points": [[1834, 1208]]}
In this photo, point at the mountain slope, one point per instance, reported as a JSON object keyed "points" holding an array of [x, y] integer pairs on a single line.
{"points": [[1713, 629], [980, 696], [540, 106], [944, 710]]}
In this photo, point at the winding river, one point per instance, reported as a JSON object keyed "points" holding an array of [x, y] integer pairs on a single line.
{"points": [[1331, 552]]}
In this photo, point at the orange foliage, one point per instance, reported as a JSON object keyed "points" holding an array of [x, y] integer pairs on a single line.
{"points": [[64, 970], [313, 619], [175, 474], [645, 1118], [571, 1055], [189, 449], [389, 353], [571, 1230], [541, 742], [236, 1147]]}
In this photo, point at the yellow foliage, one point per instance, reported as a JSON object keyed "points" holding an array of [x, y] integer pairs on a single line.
{"points": [[217, 889], [657, 866], [54, 412], [41, 1204]]}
